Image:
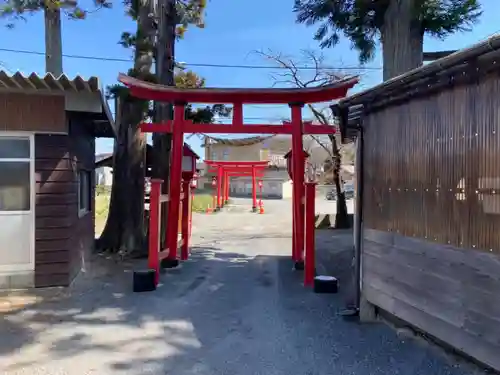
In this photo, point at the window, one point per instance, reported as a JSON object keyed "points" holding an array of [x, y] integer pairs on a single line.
{"points": [[214, 155], [225, 155], [84, 192], [15, 174]]}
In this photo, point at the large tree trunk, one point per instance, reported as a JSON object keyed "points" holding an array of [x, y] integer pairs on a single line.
{"points": [[124, 230], [160, 169], [133, 236], [342, 216], [162, 143], [53, 41], [402, 39]]}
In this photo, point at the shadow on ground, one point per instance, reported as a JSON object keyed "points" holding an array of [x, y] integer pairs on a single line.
{"points": [[220, 313], [100, 320]]}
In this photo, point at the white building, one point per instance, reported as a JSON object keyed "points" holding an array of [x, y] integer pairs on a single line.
{"points": [[103, 175]]}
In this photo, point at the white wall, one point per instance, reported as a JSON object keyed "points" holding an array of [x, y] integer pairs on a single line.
{"points": [[104, 176]]}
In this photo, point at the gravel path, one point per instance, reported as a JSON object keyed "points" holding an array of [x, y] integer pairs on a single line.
{"points": [[234, 308]]}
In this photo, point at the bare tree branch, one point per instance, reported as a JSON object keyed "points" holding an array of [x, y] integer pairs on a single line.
{"points": [[314, 77]]}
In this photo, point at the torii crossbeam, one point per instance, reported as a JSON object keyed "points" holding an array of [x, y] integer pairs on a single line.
{"points": [[296, 98], [225, 169]]}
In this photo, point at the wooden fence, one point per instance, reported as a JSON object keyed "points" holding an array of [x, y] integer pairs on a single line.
{"points": [[431, 198], [433, 167]]}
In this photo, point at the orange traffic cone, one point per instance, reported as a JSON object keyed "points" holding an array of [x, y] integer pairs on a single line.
{"points": [[209, 210], [261, 208]]}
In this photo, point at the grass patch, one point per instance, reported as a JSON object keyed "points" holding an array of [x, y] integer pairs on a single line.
{"points": [[201, 202], [102, 198]]}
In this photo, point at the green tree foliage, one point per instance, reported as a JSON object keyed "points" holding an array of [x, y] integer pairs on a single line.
{"points": [[188, 12], [180, 14], [398, 24], [14, 10], [189, 80]]}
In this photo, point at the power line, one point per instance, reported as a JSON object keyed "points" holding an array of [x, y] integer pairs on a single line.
{"points": [[206, 65]]}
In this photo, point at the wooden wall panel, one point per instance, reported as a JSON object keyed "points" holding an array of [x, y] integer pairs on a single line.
{"points": [[83, 153], [55, 210], [431, 251], [450, 293], [431, 167], [29, 112], [62, 238]]}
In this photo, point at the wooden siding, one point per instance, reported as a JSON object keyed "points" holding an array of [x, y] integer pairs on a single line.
{"points": [[450, 293], [431, 215], [55, 209], [83, 151], [28, 112], [62, 239]]}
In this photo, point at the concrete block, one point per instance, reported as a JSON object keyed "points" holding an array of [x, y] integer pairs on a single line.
{"points": [[367, 312], [22, 280], [4, 282]]}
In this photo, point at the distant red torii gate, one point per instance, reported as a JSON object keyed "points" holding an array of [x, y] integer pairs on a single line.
{"points": [[235, 168], [296, 98]]}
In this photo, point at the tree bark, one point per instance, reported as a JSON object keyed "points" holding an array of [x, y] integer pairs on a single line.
{"points": [[162, 143], [53, 42], [110, 238], [341, 216], [402, 39], [133, 235], [124, 229]]}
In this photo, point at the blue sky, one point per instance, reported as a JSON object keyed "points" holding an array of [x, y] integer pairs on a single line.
{"points": [[234, 29]]}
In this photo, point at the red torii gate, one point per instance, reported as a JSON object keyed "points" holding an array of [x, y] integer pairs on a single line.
{"points": [[294, 97], [225, 169]]}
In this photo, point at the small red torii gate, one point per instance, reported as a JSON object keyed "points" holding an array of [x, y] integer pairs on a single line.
{"points": [[225, 169], [296, 98]]}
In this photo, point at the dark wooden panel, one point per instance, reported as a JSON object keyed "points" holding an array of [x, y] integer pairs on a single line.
{"points": [[461, 340], [54, 222], [431, 210], [55, 210], [447, 262], [57, 267], [451, 293], [46, 141], [419, 298], [57, 199], [64, 175], [52, 153], [83, 151], [31, 112], [57, 187], [50, 245], [45, 281], [54, 164], [431, 167], [483, 326], [62, 238], [52, 257], [52, 234]]}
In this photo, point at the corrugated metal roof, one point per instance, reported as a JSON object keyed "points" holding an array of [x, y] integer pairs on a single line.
{"points": [[49, 84], [21, 82]]}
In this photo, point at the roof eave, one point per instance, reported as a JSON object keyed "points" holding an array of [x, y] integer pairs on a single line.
{"points": [[465, 55], [152, 91]]}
